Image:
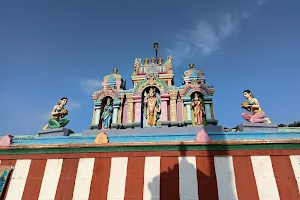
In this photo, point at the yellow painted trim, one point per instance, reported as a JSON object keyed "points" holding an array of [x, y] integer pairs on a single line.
{"points": [[93, 117], [184, 112]]}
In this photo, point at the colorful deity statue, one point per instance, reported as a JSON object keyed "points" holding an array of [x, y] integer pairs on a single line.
{"points": [[252, 105], [107, 114], [199, 111], [58, 113], [152, 108]]}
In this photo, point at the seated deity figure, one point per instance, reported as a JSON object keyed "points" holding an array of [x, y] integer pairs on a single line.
{"points": [[107, 114], [152, 108], [58, 113], [199, 111], [252, 105]]}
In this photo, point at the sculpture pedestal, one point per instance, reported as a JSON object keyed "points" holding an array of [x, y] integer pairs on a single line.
{"points": [[257, 127], [55, 132]]}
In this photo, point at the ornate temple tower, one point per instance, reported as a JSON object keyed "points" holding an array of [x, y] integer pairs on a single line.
{"points": [[194, 83], [154, 101], [110, 100]]}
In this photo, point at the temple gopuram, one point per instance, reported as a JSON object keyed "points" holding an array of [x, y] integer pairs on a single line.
{"points": [[155, 141], [154, 101]]}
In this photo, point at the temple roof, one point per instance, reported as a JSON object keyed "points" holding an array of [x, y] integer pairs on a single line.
{"points": [[192, 72]]}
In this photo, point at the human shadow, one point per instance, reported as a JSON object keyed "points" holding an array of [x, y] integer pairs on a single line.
{"points": [[191, 175]]}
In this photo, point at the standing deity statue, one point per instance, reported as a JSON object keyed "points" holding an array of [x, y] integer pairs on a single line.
{"points": [[107, 114], [257, 115], [199, 111], [152, 108], [58, 113]]}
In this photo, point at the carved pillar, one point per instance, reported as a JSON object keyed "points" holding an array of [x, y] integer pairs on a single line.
{"points": [[207, 111], [125, 111], [137, 108], [187, 102], [188, 110], [164, 107], [130, 108], [120, 110], [179, 111], [207, 104], [97, 112], [115, 114], [173, 108]]}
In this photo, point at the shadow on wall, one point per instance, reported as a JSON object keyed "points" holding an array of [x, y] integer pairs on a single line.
{"points": [[190, 177]]}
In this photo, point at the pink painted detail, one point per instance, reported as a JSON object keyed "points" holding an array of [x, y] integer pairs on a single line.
{"points": [[137, 110], [254, 118], [104, 84], [5, 141], [186, 80], [164, 109], [202, 136], [118, 84], [179, 111], [125, 110]]}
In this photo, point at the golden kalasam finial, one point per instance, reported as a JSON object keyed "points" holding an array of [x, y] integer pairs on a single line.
{"points": [[146, 61], [160, 60], [191, 65], [115, 70], [153, 60]]}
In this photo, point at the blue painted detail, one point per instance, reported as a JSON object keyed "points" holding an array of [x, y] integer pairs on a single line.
{"points": [[207, 111], [170, 137], [111, 79], [194, 74], [208, 98], [186, 99], [117, 103], [97, 103]]}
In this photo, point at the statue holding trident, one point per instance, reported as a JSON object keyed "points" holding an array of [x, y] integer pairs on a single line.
{"points": [[152, 108]]}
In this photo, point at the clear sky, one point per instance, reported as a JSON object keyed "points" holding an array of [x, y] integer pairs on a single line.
{"points": [[51, 49]]}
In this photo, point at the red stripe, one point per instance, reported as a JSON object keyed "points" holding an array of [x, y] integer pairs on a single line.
{"points": [[67, 179], [285, 178], [244, 178], [169, 178], [135, 178], [100, 179], [206, 175], [34, 179], [5, 189]]}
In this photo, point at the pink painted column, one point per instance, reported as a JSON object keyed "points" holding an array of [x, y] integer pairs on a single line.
{"points": [[137, 108], [125, 111], [179, 110], [164, 107]]}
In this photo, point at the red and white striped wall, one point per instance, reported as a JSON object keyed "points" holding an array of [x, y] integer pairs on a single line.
{"points": [[139, 177]]}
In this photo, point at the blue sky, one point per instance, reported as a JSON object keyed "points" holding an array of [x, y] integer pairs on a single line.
{"points": [[51, 49]]}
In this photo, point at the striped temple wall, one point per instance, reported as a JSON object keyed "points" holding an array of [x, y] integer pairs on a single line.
{"points": [[165, 175]]}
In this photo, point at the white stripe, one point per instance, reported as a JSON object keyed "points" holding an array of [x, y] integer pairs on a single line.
{"points": [[188, 185], [83, 178], [152, 178], [295, 161], [264, 177], [225, 178], [50, 179], [117, 179], [18, 181]]}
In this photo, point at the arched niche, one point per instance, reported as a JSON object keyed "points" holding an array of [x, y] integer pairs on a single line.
{"points": [[190, 90], [143, 84], [201, 98], [103, 104], [143, 111], [100, 95]]}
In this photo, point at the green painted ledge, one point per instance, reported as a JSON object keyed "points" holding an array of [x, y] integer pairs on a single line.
{"points": [[144, 148]]}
